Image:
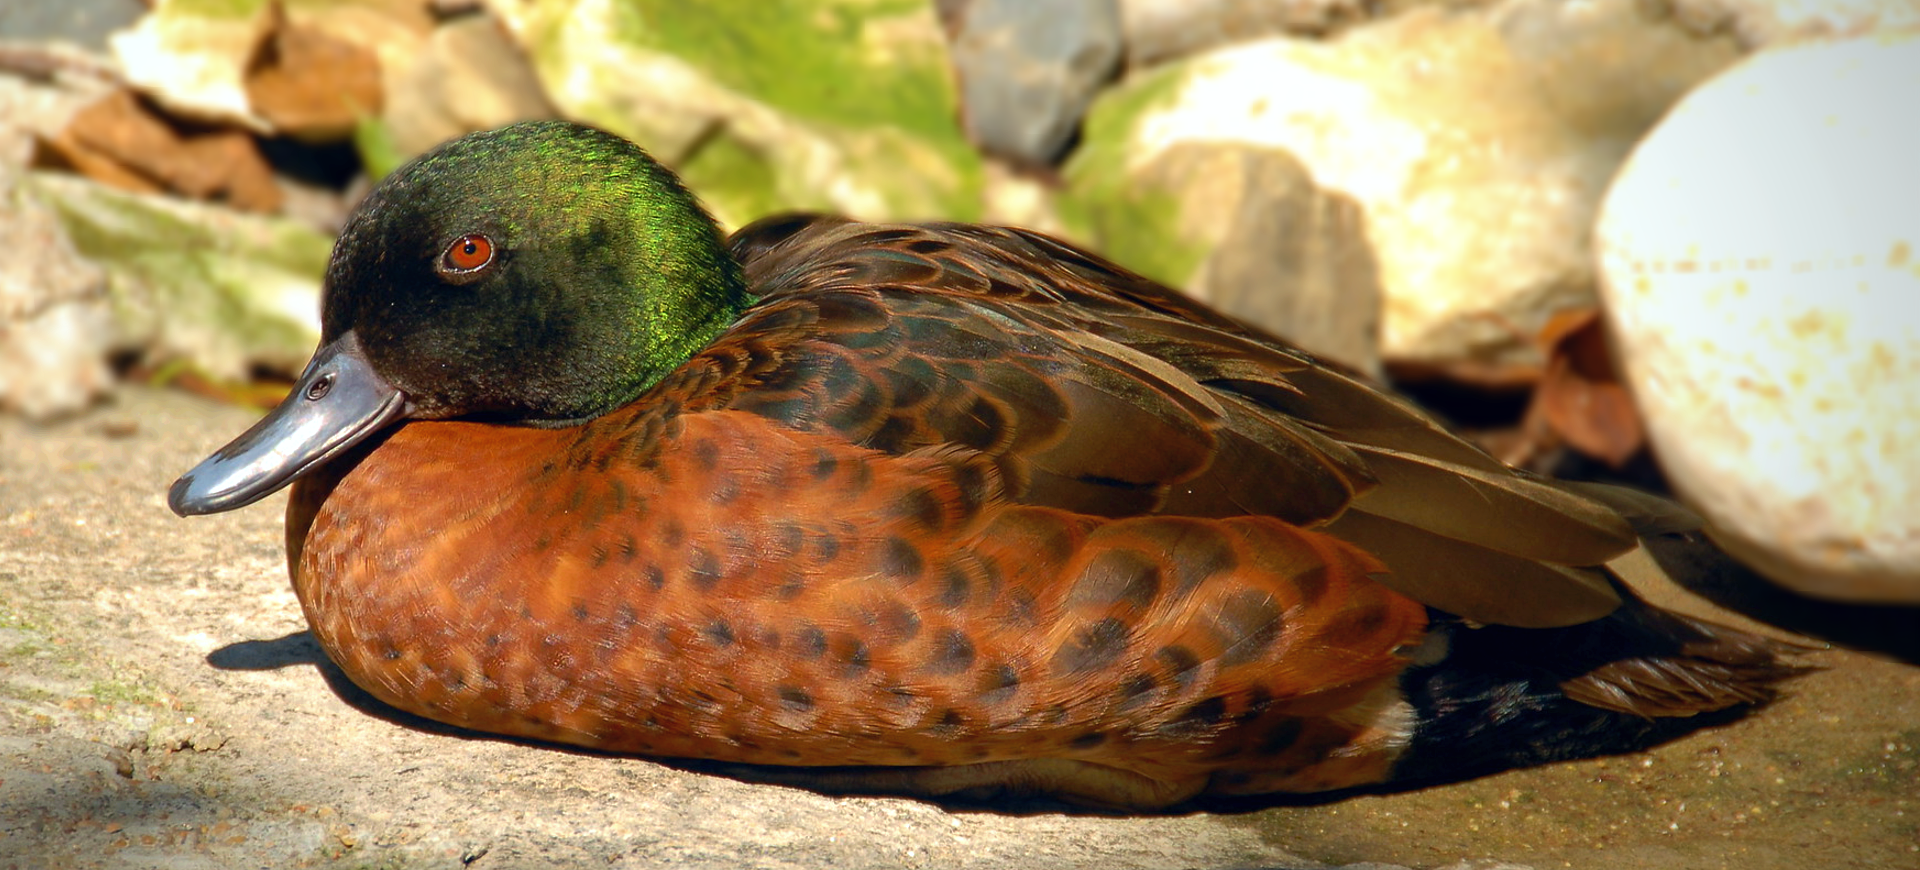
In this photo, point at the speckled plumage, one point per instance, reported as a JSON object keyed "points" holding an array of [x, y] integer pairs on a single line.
{"points": [[965, 506]]}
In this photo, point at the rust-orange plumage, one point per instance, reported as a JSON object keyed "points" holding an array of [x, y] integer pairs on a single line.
{"points": [[947, 508]]}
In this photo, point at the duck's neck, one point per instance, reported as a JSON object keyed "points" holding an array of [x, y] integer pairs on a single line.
{"points": [[690, 288], [684, 314]]}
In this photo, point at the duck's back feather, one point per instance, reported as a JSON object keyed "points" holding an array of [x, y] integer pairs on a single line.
{"points": [[1098, 391]]}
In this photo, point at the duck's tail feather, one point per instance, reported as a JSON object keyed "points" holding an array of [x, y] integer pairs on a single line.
{"points": [[1504, 697], [1696, 667]]}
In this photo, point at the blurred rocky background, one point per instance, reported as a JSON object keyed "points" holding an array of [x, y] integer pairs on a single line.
{"points": [[1410, 187], [1670, 242]]}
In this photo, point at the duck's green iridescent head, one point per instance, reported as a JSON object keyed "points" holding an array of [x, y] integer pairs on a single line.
{"points": [[544, 272]]}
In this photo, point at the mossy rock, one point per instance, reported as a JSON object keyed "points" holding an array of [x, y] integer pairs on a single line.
{"points": [[223, 291], [844, 106], [1135, 215]]}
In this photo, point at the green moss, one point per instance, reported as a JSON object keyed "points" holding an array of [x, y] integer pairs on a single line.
{"points": [[1110, 121], [26, 648], [379, 153], [238, 9], [826, 65], [109, 692], [807, 58], [14, 618], [23, 637], [736, 182], [1139, 229], [26, 694], [1137, 225], [916, 178], [864, 116]]}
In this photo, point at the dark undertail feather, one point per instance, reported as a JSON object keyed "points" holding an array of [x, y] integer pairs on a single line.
{"points": [[1506, 697]]}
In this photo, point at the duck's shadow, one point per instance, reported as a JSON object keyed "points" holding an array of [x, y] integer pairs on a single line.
{"points": [[1888, 630], [300, 648]]}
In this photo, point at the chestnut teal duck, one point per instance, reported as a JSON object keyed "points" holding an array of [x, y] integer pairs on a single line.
{"points": [[929, 509]]}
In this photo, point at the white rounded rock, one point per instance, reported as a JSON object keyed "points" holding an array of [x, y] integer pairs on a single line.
{"points": [[1760, 255]]}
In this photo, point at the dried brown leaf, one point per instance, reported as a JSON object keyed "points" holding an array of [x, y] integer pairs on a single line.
{"points": [[1581, 396]]}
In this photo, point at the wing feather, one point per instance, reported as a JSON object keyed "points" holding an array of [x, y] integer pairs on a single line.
{"points": [[1099, 392]]}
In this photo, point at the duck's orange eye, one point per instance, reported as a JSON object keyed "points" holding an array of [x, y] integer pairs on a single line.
{"points": [[468, 253]]}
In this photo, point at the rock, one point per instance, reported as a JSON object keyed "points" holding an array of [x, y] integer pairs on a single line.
{"points": [[1475, 143], [1760, 23], [1268, 245], [191, 59], [1762, 260], [1162, 30], [1010, 197], [55, 324], [308, 83], [314, 70], [443, 75], [468, 76], [1028, 71], [1289, 234], [84, 23], [842, 105], [221, 291], [55, 329]]}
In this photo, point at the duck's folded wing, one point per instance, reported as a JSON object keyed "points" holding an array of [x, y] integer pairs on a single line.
{"points": [[1098, 391]]}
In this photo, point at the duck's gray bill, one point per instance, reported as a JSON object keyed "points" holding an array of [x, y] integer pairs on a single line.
{"points": [[338, 401]]}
